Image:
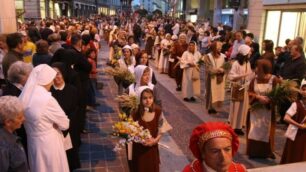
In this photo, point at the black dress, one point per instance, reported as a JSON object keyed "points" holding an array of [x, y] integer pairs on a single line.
{"points": [[68, 100]]}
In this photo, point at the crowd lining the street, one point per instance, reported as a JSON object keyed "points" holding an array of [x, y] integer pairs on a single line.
{"points": [[49, 79]]}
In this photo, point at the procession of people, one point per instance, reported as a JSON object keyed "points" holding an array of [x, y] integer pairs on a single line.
{"points": [[47, 90]]}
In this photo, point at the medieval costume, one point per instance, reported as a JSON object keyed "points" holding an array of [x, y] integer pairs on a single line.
{"points": [[240, 75], [261, 120]]}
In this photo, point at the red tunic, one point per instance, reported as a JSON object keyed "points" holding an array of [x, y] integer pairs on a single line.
{"points": [[196, 166]]}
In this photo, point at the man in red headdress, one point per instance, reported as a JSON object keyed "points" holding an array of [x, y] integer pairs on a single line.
{"points": [[214, 144]]}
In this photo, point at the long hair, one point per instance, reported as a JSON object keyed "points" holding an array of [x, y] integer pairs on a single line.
{"points": [[242, 59], [214, 50], [141, 109], [268, 45], [264, 67]]}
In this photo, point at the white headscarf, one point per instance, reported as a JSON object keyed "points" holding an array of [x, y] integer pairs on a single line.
{"points": [[140, 90], [244, 49], [138, 71], [41, 75]]}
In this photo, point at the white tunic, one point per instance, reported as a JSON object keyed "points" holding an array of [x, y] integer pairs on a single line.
{"points": [[239, 109], [190, 87], [45, 141]]}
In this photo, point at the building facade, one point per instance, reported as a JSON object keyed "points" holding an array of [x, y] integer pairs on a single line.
{"points": [[277, 20], [108, 7], [38, 9]]}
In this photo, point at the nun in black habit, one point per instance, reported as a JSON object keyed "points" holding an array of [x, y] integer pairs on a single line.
{"points": [[67, 97]]}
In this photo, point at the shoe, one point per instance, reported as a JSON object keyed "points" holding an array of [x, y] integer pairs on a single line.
{"points": [[186, 100], [192, 99], [212, 111], [239, 132], [272, 156]]}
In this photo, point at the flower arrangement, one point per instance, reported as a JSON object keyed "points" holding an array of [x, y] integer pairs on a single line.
{"points": [[127, 103], [287, 90], [123, 76], [129, 131]]}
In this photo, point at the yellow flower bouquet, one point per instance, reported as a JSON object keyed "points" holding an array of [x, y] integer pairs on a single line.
{"points": [[129, 131]]}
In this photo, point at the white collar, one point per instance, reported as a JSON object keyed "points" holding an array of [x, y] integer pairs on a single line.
{"points": [[207, 168], [59, 88], [19, 86]]}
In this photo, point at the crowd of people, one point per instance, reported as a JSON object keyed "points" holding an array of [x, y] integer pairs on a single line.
{"points": [[52, 68]]}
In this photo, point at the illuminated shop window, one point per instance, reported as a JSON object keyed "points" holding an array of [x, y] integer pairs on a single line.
{"points": [[272, 25], [282, 25], [289, 26]]}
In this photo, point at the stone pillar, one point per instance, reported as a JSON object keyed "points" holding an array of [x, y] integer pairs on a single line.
{"points": [[32, 9], [8, 16], [217, 12], [238, 16]]}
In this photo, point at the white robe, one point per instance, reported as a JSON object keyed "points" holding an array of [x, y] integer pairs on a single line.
{"points": [[163, 63], [217, 90], [45, 143], [190, 87], [239, 109]]}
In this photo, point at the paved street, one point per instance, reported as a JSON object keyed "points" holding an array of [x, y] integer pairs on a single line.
{"points": [[97, 149]]}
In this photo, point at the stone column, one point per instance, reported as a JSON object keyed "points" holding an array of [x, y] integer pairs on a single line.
{"points": [[8, 16], [238, 16], [32, 9], [217, 12]]}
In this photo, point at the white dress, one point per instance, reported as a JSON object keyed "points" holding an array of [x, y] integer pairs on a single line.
{"points": [[45, 142], [190, 87], [239, 109], [260, 118]]}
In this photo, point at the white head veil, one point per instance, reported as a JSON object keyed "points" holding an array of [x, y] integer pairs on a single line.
{"points": [[138, 71], [41, 75], [140, 90]]}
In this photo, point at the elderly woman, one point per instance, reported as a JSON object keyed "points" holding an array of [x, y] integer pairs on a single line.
{"points": [[42, 55], [214, 144], [18, 74], [12, 154], [44, 121]]}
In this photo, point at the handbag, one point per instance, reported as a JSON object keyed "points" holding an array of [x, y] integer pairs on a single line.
{"points": [[237, 92], [195, 74]]}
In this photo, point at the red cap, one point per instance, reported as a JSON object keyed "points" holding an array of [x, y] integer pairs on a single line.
{"points": [[210, 130]]}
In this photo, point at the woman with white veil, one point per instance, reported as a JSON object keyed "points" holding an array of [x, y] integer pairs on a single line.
{"points": [[44, 121]]}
